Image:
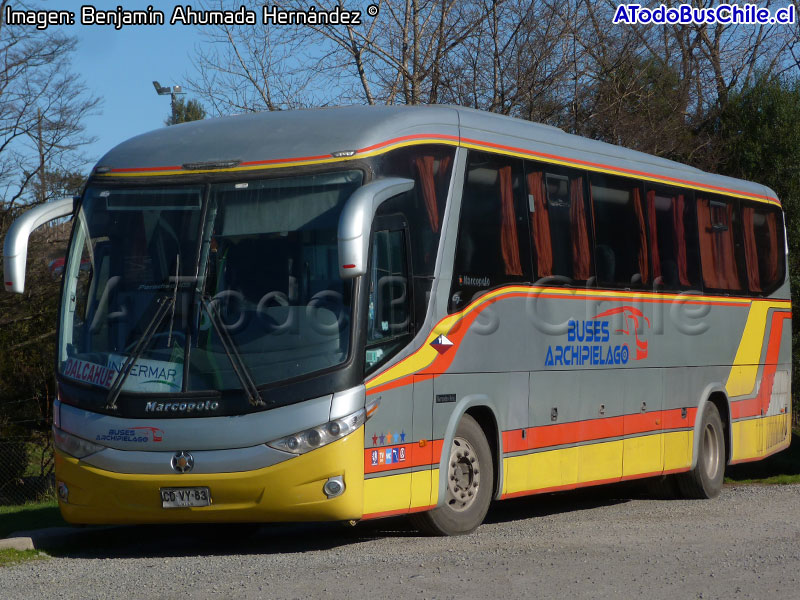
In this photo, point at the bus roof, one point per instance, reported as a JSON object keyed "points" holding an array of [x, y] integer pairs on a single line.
{"points": [[257, 141]]}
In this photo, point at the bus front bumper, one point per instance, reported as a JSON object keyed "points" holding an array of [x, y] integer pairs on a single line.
{"points": [[289, 491]]}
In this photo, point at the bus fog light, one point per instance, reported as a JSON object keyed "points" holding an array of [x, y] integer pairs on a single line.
{"points": [[334, 487], [63, 491]]}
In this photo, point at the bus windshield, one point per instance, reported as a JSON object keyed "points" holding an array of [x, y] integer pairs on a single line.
{"points": [[205, 276]]}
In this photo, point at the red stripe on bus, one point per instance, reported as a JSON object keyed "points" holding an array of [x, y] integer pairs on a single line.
{"points": [[546, 436], [433, 136], [759, 404], [416, 456], [439, 365], [577, 161]]}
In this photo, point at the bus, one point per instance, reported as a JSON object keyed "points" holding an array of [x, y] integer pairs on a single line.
{"points": [[359, 312]]}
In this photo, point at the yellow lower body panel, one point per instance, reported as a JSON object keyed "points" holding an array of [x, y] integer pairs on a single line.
{"points": [[760, 437], [567, 468], [397, 494], [288, 491]]}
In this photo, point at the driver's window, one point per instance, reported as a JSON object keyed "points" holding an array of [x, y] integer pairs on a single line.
{"points": [[389, 311]]}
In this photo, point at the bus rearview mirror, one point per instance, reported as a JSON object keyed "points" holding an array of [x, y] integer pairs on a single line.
{"points": [[15, 247], [355, 222]]}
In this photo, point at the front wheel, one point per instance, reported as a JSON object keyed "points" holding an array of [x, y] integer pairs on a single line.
{"points": [[705, 480], [470, 480]]}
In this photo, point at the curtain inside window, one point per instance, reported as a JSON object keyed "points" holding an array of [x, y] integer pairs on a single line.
{"points": [[643, 260], [773, 258], [540, 225], [424, 166], [581, 256], [750, 249], [679, 232], [717, 250], [651, 217], [508, 233]]}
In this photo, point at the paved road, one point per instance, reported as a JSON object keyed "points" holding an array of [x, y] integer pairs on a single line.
{"points": [[608, 544]]}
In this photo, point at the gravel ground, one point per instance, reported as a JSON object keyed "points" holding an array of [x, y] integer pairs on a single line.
{"points": [[593, 544]]}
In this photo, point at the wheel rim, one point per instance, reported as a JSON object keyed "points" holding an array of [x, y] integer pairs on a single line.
{"points": [[711, 451], [464, 475]]}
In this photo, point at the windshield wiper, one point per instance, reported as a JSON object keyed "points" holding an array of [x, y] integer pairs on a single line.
{"points": [[241, 370], [116, 387]]}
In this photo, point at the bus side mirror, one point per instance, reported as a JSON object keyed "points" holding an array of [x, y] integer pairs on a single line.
{"points": [[355, 222], [15, 248]]}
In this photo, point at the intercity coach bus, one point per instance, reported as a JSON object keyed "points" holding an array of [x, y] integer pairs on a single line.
{"points": [[351, 313]]}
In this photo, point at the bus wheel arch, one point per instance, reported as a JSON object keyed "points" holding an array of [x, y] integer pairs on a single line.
{"points": [[473, 421], [716, 395], [710, 454]]}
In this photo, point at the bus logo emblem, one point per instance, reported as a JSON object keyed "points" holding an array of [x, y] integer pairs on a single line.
{"points": [[182, 462]]}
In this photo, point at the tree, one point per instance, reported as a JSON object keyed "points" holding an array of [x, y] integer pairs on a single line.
{"points": [[185, 111], [43, 105], [758, 134]]}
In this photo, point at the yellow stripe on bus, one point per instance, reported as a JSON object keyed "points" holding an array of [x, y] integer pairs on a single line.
{"points": [[744, 372], [449, 142], [426, 354]]}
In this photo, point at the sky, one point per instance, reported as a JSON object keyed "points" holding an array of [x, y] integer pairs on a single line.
{"points": [[119, 67]]}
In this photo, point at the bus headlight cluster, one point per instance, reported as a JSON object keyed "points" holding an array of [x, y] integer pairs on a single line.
{"points": [[316, 437], [73, 445]]}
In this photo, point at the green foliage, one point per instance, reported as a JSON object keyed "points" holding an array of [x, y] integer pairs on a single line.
{"points": [[12, 557], [31, 516], [759, 136], [186, 111]]}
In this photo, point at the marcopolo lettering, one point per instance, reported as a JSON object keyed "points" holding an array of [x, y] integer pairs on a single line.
{"points": [[182, 407]]}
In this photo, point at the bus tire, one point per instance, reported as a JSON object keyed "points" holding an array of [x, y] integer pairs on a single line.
{"points": [[705, 480], [470, 479]]}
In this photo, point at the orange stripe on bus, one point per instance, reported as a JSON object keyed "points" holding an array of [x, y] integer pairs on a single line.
{"points": [[461, 142], [416, 456], [759, 404], [575, 432]]}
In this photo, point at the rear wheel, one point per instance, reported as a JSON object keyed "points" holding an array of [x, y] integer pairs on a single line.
{"points": [[705, 480], [470, 479]]}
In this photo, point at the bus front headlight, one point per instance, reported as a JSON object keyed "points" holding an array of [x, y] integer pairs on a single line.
{"points": [[73, 445], [316, 437]]}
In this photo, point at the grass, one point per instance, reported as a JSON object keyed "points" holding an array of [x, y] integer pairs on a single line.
{"points": [[11, 557], [781, 468], [30, 516]]}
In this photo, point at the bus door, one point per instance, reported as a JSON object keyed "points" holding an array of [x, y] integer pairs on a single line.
{"points": [[390, 433]]}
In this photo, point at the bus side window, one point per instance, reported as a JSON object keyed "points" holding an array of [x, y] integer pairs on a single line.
{"points": [[492, 248], [560, 235], [672, 227], [763, 243], [719, 250], [620, 231], [389, 310]]}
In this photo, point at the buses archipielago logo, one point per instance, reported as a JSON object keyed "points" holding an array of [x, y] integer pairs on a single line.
{"points": [[590, 342]]}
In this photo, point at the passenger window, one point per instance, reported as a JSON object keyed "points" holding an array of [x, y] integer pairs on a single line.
{"points": [[558, 223], [716, 223], [492, 248], [621, 250], [763, 242], [389, 311], [672, 225]]}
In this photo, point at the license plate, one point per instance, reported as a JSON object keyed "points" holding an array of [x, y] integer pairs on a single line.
{"points": [[183, 497]]}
